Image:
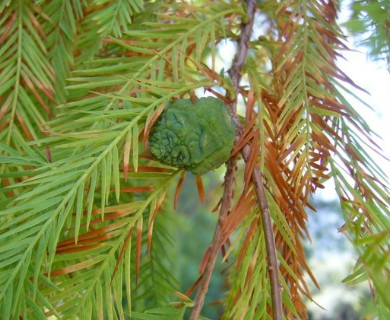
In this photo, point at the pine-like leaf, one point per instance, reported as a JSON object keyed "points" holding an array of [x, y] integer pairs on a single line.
{"points": [[26, 75]]}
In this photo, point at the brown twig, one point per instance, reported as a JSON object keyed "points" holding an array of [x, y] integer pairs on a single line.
{"points": [[257, 179], [242, 46], [216, 243], [273, 267], [235, 75]]}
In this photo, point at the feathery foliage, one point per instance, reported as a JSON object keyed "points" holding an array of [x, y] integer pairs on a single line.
{"points": [[370, 22], [85, 222]]}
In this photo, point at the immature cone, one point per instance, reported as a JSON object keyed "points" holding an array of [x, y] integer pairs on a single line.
{"points": [[197, 136]]}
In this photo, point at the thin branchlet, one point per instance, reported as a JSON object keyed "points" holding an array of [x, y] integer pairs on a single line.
{"points": [[216, 243], [273, 269]]}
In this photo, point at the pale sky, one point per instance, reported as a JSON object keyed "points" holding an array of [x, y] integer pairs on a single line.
{"points": [[375, 78]]}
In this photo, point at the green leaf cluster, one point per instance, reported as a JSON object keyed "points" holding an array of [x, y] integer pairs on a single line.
{"points": [[369, 23], [80, 81]]}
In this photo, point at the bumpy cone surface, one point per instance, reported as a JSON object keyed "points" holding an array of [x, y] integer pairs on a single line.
{"points": [[195, 136]]}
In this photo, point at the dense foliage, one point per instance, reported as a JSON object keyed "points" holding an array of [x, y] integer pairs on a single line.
{"points": [[86, 227]]}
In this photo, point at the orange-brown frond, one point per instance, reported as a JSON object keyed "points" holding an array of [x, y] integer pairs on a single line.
{"points": [[252, 161], [199, 186], [246, 136], [178, 189], [204, 261], [122, 252], [135, 189], [126, 155], [252, 229], [244, 205], [151, 121], [138, 249]]}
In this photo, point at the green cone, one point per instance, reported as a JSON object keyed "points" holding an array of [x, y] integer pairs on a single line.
{"points": [[195, 136]]}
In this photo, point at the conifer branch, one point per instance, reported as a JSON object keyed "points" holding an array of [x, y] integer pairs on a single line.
{"points": [[242, 47], [273, 268], [235, 75], [217, 240]]}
